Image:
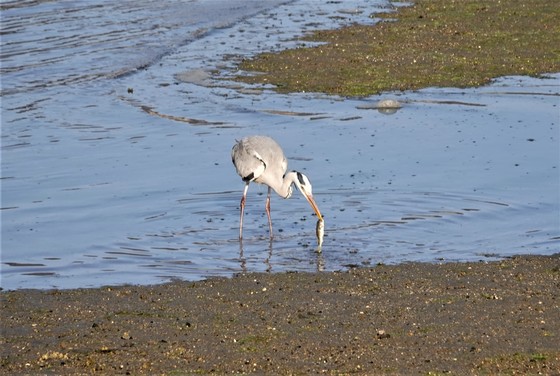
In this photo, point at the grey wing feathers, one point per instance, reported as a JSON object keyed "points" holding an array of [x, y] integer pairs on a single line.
{"points": [[247, 161]]}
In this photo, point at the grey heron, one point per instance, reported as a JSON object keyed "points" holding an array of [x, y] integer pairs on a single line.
{"points": [[261, 159]]}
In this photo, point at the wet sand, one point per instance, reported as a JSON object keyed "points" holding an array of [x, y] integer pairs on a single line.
{"points": [[433, 43], [460, 318]]}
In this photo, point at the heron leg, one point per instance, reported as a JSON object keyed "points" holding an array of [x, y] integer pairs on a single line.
{"points": [[267, 207], [242, 210]]}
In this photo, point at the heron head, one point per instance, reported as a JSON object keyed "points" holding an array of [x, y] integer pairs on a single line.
{"points": [[304, 185]]}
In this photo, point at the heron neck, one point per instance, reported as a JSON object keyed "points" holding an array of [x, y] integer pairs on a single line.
{"points": [[284, 188]]}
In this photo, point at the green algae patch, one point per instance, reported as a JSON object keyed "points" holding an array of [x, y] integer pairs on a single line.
{"points": [[434, 43]]}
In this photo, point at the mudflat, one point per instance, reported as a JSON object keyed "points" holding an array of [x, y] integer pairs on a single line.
{"points": [[432, 43], [499, 317]]}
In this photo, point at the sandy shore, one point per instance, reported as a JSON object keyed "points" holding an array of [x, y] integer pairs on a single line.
{"points": [[433, 43], [459, 318]]}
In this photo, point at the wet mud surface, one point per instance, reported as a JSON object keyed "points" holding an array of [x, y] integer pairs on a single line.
{"points": [[441, 43], [455, 318]]}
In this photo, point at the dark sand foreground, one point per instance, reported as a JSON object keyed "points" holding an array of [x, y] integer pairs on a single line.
{"points": [[458, 318]]}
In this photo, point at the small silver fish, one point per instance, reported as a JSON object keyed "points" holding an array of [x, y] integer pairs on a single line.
{"points": [[320, 231]]}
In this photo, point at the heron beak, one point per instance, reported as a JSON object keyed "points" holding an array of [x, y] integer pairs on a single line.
{"points": [[313, 204]]}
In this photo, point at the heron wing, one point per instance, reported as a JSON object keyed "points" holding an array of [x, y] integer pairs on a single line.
{"points": [[247, 160]]}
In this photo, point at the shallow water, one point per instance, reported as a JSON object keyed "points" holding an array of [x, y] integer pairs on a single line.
{"points": [[116, 146]]}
